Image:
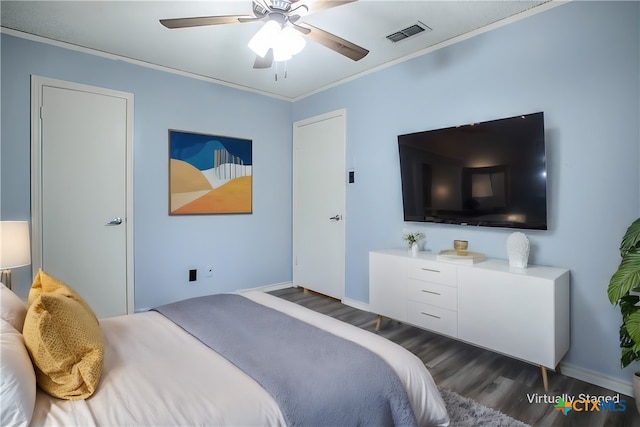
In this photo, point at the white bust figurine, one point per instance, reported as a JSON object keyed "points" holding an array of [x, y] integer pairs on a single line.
{"points": [[518, 250]]}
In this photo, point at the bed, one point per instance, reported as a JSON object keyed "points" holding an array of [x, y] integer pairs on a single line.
{"points": [[155, 373]]}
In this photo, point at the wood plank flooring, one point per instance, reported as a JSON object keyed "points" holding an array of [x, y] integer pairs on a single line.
{"points": [[494, 380]]}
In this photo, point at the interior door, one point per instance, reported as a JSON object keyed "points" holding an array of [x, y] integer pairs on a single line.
{"points": [[82, 218], [319, 186]]}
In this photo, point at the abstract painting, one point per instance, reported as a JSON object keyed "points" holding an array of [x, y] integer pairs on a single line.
{"points": [[209, 174]]}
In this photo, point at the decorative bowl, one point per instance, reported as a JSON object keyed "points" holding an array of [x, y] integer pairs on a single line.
{"points": [[461, 246]]}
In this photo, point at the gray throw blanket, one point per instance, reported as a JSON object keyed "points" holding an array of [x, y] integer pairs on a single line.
{"points": [[317, 378]]}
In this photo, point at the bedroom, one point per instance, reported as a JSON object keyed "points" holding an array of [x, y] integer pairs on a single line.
{"points": [[580, 64]]}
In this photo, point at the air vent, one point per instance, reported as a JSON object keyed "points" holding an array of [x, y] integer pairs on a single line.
{"points": [[410, 31]]}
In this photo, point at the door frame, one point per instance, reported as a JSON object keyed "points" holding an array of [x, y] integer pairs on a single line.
{"points": [[37, 84], [305, 122]]}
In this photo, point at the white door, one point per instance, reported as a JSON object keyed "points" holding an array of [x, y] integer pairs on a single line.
{"points": [[82, 186], [319, 185]]}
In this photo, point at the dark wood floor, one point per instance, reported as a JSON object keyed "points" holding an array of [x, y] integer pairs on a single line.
{"points": [[493, 380]]}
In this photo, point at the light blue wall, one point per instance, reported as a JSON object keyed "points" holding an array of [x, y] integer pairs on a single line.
{"points": [[579, 63], [246, 251]]}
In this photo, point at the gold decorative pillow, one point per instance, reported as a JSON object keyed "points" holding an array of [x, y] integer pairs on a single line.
{"points": [[66, 346], [45, 283]]}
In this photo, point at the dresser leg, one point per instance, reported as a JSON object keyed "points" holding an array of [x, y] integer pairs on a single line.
{"points": [[545, 378], [378, 323]]}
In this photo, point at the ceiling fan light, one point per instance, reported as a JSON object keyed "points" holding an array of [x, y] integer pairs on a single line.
{"points": [[281, 53], [265, 38], [292, 39]]}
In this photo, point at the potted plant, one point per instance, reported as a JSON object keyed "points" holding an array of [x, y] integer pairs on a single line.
{"points": [[413, 239], [624, 291]]}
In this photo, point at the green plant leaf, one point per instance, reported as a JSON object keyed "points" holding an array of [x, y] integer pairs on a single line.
{"points": [[631, 238], [625, 339], [626, 277], [632, 324], [625, 280], [627, 305], [628, 356]]}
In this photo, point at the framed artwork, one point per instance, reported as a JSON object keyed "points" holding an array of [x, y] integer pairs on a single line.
{"points": [[209, 174]]}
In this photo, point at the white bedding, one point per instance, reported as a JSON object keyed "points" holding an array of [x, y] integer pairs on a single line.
{"points": [[156, 374]]}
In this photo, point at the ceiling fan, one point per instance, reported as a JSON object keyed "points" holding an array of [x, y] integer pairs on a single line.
{"points": [[281, 35]]}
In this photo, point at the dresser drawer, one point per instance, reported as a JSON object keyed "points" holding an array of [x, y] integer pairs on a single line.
{"points": [[433, 294], [434, 318], [431, 271]]}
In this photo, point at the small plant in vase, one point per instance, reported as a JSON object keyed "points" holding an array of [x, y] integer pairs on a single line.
{"points": [[413, 239]]}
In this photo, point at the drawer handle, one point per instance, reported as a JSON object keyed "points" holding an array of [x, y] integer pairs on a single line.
{"points": [[431, 270], [431, 315], [431, 292]]}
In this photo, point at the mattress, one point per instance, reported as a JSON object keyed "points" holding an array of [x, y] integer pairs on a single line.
{"points": [[157, 374]]}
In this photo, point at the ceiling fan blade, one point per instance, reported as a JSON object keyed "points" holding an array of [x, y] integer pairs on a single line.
{"points": [[264, 61], [303, 30], [318, 5], [245, 19], [203, 20], [333, 42]]}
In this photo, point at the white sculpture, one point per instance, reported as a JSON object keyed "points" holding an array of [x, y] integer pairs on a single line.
{"points": [[518, 250]]}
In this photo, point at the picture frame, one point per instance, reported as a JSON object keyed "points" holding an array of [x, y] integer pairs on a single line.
{"points": [[209, 174]]}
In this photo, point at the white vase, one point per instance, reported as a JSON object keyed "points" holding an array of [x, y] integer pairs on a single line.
{"points": [[518, 250], [414, 249]]}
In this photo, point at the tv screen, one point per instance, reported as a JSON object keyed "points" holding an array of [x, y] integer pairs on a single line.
{"points": [[486, 174]]}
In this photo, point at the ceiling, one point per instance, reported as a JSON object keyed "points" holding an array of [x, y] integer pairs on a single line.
{"points": [[131, 30]]}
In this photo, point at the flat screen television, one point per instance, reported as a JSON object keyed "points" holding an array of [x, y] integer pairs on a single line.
{"points": [[489, 174]]}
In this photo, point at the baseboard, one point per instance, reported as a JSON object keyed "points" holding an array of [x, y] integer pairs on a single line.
{"points": [[270, 288], [598, 379], [356, 304]]}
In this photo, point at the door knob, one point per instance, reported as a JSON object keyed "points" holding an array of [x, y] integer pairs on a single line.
{"points": [[115, 221], [335, 218]]}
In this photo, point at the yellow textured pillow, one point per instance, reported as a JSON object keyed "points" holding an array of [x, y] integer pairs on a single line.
{"points": [[47, 284], [66, 346]]}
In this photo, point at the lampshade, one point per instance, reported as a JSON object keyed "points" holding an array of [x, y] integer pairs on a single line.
{"points": [[292, 40], [281, 53], [14, 244], [284, 40], [265, 38]]}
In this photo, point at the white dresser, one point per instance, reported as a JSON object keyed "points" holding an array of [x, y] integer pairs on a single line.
{"points": [[522, 313]]}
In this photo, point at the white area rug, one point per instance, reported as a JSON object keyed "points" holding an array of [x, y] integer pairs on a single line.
{"points": [[465, 412]]}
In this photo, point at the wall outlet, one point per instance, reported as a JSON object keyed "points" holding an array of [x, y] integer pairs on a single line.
{"points": [[208, 271], [193, 274]]}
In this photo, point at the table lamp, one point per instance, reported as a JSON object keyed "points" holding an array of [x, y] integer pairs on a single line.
{"points": [[14, 248]]}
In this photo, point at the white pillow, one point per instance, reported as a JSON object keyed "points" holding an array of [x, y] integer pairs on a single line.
{"points": [[12, 308], [18, 380]]}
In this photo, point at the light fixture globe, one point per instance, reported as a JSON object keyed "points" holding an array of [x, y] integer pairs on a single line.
{"points": [[265, 38], [292, 39], [281, 53], [277, 34], [288, 43]]}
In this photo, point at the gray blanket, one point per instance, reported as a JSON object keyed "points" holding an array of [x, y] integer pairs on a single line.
{"points": [[317, 378]]}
